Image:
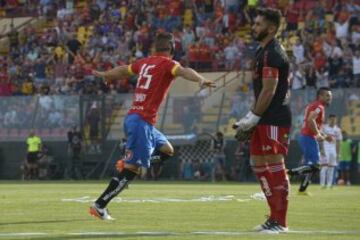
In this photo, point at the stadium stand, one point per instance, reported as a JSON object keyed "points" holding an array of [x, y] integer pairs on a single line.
{"points": [[52, 46]]}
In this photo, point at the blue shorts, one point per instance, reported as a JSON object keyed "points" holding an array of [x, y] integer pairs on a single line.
{"points": [[344, 165], [310, 149], [142, 139]]}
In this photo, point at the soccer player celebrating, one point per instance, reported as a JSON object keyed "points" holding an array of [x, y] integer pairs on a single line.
{"points": [[331, 149], [269, 120], [155, 75], [311, 133]]}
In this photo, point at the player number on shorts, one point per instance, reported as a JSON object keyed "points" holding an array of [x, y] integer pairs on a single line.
{"points": [[144, 75]]}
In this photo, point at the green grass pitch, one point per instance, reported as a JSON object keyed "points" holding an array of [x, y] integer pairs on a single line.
{"points": [[171, 211]]}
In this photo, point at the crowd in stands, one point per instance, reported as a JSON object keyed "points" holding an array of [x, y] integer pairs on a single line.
{"points": [[322, 37]]}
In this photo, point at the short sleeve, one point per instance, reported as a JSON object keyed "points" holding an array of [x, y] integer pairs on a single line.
{"points": [[172, 66], [270, 72], [272, 64], [338, 134], [273, 59], [134, 68], [317, 110]]}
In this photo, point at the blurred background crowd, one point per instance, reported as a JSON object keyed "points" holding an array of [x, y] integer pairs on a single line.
{"points": [[322, 37]]}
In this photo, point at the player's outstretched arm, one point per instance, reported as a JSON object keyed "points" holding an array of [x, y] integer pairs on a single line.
{"points": [[113, 74], [191, 75]]}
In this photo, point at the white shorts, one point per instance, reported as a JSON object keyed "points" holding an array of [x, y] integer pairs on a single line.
{"points": [[329, 159]]}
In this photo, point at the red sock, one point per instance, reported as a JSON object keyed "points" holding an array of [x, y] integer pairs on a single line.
{"points": [[280, 190], [264, 176]]}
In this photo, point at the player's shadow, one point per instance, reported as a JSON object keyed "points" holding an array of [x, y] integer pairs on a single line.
{"points": [[44, 221]]}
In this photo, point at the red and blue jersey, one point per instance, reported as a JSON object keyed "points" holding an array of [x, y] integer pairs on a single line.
{"points": [[155, 75], [319, 108]]}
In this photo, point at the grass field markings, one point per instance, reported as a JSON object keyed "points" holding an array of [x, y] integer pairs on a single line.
{"points": [[87, 199], [224, 233], [25, 234], [159, 233], [97, 233], [148, 233]]}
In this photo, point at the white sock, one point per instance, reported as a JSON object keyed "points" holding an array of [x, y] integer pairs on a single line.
{"points": [[323, 172], [330, 176]]}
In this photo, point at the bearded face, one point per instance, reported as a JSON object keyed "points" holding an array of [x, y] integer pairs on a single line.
{"points": [[260, 29]]}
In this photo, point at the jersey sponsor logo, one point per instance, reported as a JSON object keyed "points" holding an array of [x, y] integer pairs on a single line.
{"points": [[140, 97], [266, 148], [137, 107]]}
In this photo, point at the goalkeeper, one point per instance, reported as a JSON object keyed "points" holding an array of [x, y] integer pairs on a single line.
{"points": [[268, 123]]}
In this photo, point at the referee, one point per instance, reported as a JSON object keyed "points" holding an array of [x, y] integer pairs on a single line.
{"points": [[33, 148]]}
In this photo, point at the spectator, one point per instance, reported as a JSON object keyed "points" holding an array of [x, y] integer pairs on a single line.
{"points": [[188, 38], [186, 170], [237, 107], [231, 53], [310, 77], [73, 45], [322, 78], [93, 122], [346, 151], [45, 161], [292, 17], [356, 69], [13, 36], [218, 145], [298, 52], [75, 142], [241, 166], [342, 25], [298, 78]]}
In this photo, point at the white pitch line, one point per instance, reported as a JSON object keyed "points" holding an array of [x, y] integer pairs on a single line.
{"points": [[98, 233], [148, 233], [26, 234]]}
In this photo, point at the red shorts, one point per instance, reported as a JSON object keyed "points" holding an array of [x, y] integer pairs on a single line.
{"points": [[268, 139]]}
